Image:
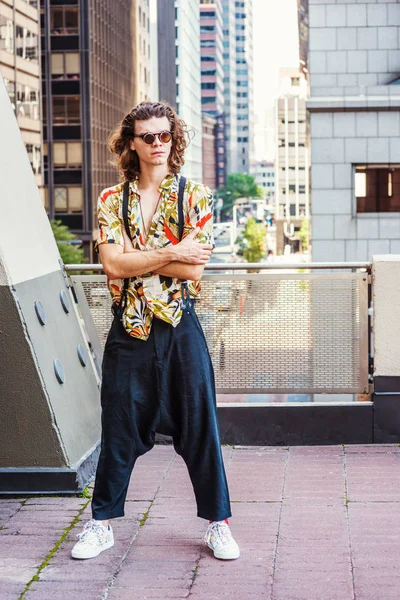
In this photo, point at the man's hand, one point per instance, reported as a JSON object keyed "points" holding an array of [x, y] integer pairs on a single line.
{"points": [[192, 252]]}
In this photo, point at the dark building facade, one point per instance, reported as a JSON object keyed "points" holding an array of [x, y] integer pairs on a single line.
{"points": [[87, 86], [209, 153], [212, 79]]}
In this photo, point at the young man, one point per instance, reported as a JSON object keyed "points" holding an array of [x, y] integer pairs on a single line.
{"points": [[157, 371]]}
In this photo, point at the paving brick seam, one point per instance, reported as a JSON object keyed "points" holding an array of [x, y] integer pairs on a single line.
{"points": [[274, 562], [348, 522], [52, 553], [110, 584]]}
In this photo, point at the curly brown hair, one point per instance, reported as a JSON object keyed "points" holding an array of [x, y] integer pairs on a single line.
{"points": [[126, 160]]}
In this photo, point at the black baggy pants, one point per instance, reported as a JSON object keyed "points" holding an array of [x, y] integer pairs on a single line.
{"points": [[164, 384]]}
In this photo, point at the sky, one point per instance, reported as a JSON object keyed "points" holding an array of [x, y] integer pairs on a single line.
{"points": [[275, 45]]}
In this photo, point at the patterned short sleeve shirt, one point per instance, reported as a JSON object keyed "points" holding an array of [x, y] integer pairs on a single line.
{"points": [[154, 295]]}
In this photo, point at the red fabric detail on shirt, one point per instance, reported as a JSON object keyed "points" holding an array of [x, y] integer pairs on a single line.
{"points": [[169, 234], [204, 220], [105, 196]]}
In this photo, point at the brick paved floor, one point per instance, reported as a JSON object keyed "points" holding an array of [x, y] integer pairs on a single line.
{"points": [[313, 523]]}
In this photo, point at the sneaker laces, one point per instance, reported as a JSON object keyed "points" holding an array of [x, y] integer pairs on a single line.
{"points": [[91, 533], [221, 531]]}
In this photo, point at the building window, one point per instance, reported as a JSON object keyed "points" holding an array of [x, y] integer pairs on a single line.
{"points": [[6, 35], [75, 200], [68, 199], [66, 110], [208, 44], [65, 65], [67, 154], [27, 44], [207, 29], [35, 157], [209, 100], [60, 199], [27, 102], [377, 188], [64, 20], [10, 86], [208, 86]]}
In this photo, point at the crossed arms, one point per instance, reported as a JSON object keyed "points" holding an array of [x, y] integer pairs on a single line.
{"points": [[185, 260]]}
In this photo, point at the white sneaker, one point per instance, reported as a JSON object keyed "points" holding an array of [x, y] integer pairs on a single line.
{"points": [[218, 537], [94, 538]]}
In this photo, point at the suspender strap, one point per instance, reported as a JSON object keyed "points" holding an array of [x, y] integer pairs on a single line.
{"points": [[125, 209], [181, 222], [125, 200]]}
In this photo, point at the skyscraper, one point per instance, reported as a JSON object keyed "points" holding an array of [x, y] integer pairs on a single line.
{"points": [[230, 88], [212, 78], [20, 68], [244, 82], [354, 108], [179, 71], [141, 51], [87, 69], [292, 159]]}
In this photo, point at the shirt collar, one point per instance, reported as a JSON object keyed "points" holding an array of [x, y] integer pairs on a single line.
{"points": [[167, 182], [165, 185]]}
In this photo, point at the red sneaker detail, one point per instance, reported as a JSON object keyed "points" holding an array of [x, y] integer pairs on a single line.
{"points": [[225, 520]]}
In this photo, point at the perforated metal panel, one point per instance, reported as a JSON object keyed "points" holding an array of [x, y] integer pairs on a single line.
{"points": [[281, 333]]}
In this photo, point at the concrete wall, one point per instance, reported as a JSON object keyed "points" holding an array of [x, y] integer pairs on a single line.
{"points": [[43, 423], [354, 118], [386, 326]]}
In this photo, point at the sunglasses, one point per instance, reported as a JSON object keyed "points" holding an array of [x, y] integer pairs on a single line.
{"points": [[148, 138]]}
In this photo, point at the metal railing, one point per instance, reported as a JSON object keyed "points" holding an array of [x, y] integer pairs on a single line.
{"points": [[267, 332]]}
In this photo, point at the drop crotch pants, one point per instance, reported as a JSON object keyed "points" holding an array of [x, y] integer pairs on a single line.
{"points": [[164, 384]]}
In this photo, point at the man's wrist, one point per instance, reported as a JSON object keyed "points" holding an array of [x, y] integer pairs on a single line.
{"points": [[170, 252]]}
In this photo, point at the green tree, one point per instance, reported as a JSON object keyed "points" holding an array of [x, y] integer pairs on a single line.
{"points": [[253, 241], [304, 235], [71, 255], [238, 185]]}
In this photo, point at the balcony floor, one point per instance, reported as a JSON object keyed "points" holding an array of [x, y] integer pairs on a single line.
{"points": [[313, 523]]}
